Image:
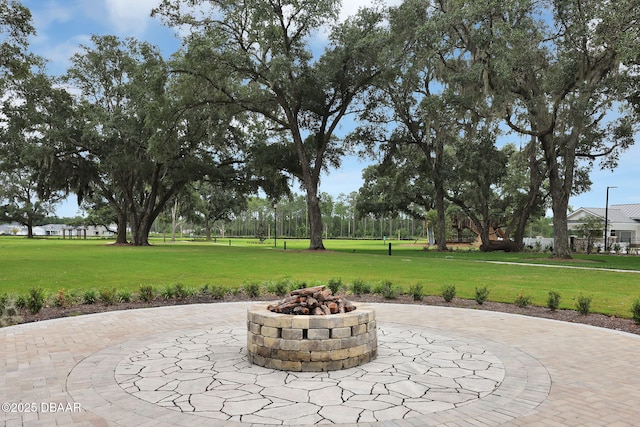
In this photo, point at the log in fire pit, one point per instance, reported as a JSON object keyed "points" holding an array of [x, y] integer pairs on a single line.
{"points": [[311, 330]]}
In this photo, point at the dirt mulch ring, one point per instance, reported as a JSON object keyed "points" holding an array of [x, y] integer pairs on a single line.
{"points": [[599, 320]]}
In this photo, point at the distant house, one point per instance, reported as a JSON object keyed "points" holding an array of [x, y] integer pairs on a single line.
{"points": [[9, 229], [624, 223], [58, 230]]}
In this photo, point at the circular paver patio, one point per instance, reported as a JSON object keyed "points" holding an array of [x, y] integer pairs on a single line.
{"points": [[185, 365]]}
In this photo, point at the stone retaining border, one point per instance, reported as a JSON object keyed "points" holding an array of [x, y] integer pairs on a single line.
{"points": [[311, 343]]}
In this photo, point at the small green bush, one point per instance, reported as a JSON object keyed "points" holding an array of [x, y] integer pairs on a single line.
{"points": [[168, 292], [417, 292], [553, 300], [181, 292], [21, 302], [4, 302], [108, 296], [448, 292], [523, 301], [388, 291], [35, 300], [280, 287], [218, 292], [359, 287], [377, 288], [583, 304], [89, 296], [635, 311], [335, 285], [62, 299], [252, 289], [482, 293], [124, 295], [297, 284], [146, 294]]}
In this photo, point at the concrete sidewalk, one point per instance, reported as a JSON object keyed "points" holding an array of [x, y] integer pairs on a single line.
{"points": [[185, 366]]}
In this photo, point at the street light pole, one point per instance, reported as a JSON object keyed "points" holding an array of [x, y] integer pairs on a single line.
{"points": [[606, 221]]}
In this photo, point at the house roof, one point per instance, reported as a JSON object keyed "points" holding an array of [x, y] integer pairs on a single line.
{"points": [[614, 214], [630, 210]]}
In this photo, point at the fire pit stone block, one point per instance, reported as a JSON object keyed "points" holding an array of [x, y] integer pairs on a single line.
{"points": [[311, 343]]}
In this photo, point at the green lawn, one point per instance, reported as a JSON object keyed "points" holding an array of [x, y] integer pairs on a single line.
{"points": [[79, 264]]}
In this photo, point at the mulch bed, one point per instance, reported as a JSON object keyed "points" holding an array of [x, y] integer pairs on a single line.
{"points": [[599, 320]]}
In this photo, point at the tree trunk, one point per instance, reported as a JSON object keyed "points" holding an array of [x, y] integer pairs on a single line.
{"points": [[441, 230], [121, 236], [174, 224], [560, 189], [483, 232], [140, 233], [315, 219], [560, 204], [207, 228]]}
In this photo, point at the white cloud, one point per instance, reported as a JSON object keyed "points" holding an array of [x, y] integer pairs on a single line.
{"points": [[130, 16], [59, 55], [350, 7], [52, 12]]}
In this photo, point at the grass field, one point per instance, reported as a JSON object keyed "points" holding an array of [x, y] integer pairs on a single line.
{"points": [[76, 265]]}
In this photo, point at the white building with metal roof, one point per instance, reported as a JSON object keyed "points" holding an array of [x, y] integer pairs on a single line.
{"points": [[623, 227]]}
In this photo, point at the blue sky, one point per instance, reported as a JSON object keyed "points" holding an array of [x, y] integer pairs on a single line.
{"points": [[63, 25]]}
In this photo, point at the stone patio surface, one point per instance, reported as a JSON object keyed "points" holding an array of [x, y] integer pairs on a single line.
{"points": [[187, 366]]}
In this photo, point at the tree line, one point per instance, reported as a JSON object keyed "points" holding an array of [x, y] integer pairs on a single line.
{"points": [[342, 218], [484, 113]]}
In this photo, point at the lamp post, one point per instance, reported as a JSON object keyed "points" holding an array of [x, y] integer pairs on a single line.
{"points": [[606, 221]]}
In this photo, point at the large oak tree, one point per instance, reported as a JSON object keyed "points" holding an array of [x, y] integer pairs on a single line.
{"points": [[560, 71], [140, 144], [302, 93]]}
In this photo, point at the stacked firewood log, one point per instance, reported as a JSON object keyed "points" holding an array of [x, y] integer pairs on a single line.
{"points": [[312, 301]]}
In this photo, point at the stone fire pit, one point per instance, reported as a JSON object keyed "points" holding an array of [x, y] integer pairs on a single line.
{"points": [[311, 342]]}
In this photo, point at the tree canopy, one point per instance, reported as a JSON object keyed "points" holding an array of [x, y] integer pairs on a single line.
{"points": [[494, 109], [303, 96]]}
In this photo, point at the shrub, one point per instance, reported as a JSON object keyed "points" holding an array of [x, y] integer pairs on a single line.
{"points": [[553, 300], [252, 289], [108, 296], [635, 311], [482, 293], [448, 292], [21, 302], [35, 300], [523, 301], [280, 288], [376, 288], [359, 287], [168, 292], [389, 291], [583, 304], [181, 292], [146, 293], [4, 301], [62, 299], [297, 284], [417, 292], [89, 296], [124, 295], [335, 285], [218, 292]]}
